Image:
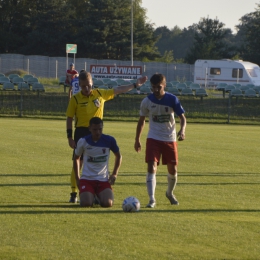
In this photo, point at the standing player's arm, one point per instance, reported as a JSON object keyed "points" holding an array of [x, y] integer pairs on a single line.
{"points": [[70, 92], [69, 132], [124, 89], [139, 129], [118, 161], [76, 167], [181, 133]]}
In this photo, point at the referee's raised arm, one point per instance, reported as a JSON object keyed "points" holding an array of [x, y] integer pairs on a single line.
{"points": [[126, 88]]}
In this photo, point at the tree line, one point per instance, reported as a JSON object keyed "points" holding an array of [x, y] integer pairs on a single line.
{"points": [[101, 29]]}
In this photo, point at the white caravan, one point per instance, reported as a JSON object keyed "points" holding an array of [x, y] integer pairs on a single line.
{"points": [[212, 72]]}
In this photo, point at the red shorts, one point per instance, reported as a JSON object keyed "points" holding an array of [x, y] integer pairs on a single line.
{"points": [[155, 148], [95, 187]]}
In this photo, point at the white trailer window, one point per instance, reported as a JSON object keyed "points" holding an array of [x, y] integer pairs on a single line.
{"points": [[215, 71], [237, 73], [257, 71], [252, 72]]}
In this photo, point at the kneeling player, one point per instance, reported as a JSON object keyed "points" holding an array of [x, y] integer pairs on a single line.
{"points": [[95, 179]]}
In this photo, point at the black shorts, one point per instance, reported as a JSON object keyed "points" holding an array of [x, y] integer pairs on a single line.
{"points": [[79, 133]]}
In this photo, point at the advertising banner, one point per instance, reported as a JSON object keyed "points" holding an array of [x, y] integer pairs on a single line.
{"points": [[113, 71]]}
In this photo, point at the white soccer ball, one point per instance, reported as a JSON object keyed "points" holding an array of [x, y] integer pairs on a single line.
{"points": [[131, 204]]}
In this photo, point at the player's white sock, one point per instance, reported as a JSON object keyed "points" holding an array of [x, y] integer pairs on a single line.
{"points": [[172, 181], [151, 184]]}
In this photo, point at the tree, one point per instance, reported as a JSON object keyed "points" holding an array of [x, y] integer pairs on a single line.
{"points": [[14, 17], [50, 28], [105, 32], [164, 36], [100, 28], [176, 40], [250, 33], [209, 42], [241, 30], [144, 41], [167, 57], [183, 41]]}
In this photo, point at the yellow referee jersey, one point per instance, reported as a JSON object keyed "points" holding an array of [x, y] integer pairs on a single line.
{"points": [[84, 108]]}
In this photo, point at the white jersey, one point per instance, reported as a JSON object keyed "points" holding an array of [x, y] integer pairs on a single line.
{"points": [[96, 156], [161, 116], [75, 88]]}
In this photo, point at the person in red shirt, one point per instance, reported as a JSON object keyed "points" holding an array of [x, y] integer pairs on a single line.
{"points": [[71, 74]]}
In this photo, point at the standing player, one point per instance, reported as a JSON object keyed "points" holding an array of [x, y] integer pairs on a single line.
{"points": [[95, 179], [84, 105], [160, 107], [74, 87], [71, 73]]}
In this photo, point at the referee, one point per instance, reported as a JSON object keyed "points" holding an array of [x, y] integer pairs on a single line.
{"points": [[84, 105]]}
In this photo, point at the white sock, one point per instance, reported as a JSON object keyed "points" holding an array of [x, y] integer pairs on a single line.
{"points": [[151, 184], [172, 181]]}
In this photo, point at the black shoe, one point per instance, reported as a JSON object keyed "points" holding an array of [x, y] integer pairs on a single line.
{"points": [[172, 199], [151, 204], [73, 197]]}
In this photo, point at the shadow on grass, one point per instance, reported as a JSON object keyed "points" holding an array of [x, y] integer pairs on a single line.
{"points": [[122, 174], [220, 183], [131, 184], [33, 184], [93, 210], [34, 175], [192, 174], [227, 174]]}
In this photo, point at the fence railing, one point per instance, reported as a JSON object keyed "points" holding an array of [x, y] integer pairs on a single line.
{"points": [[126, 106]]}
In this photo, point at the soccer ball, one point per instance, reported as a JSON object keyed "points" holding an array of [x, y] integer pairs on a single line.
{"points": [[131, 204]]}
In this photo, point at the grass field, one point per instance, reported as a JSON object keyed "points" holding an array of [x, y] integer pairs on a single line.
{"points": [[218, 190]]}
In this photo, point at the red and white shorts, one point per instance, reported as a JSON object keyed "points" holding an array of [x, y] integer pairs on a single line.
{"points": [[95, 187], [155, 148]]}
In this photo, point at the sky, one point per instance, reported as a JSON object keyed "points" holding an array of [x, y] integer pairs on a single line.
{"points": [[184, 13]]}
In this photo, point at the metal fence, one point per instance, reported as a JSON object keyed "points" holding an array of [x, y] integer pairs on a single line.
{"points": [[28, 103], [126, 106], [55, 67]]}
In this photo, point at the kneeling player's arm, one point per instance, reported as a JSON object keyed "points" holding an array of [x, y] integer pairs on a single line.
{"points": [[76, 166], [118, 161]]}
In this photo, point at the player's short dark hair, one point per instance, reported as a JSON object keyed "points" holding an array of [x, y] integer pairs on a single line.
{"points": [[95, 121], [157, 78]]}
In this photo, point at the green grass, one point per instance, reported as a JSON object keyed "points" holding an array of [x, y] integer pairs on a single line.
{"points": [[218, 190]]}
